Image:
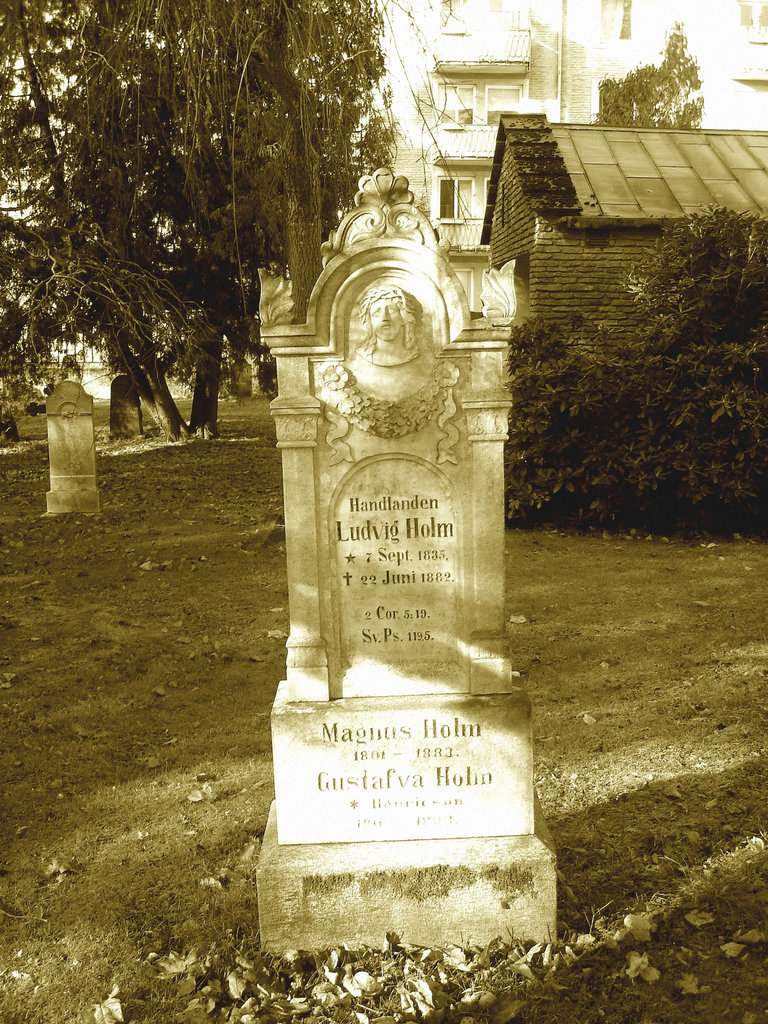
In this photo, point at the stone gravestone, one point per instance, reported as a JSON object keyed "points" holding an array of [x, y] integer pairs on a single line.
{"points": [[401, 743], [71, 450], [124, 408]]}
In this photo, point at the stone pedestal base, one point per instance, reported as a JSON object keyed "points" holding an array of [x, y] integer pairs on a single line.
{"points": [[73, 501], [430, 892]]}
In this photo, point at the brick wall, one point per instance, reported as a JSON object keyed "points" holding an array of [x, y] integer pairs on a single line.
{"points": [[585, 271], [513, 227]]}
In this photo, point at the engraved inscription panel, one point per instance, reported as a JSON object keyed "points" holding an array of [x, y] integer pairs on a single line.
{"points": [[447, 766], [394, 535]]}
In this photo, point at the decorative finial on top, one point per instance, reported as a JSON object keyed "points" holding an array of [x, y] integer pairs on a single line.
{"points": [[383, 189], [384, 206]]}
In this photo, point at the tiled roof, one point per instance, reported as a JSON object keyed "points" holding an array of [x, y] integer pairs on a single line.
{"points": [[472, 142], [511, 46], [627, 172]]}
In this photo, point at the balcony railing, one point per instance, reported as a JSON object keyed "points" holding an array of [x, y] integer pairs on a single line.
{"points": [[485, 45], [463, 234]]}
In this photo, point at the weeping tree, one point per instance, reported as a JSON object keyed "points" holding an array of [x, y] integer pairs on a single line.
{"points": [[153, 155], [656, 96]]}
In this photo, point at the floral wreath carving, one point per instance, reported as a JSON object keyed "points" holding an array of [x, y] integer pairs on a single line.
{"points": [[433, 401]]}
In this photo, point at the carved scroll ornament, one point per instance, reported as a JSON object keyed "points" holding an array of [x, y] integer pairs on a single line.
{"points": [[488, 424], [384, 206]]}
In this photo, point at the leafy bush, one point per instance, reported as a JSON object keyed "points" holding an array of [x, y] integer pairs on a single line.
{"points": [[672, 428]]}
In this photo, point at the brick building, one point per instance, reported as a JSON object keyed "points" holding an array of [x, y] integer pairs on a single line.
{"points": [[454, 65], [575, 206]]}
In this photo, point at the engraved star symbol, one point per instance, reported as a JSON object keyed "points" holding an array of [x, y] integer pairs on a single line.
{"points": [[350, 558], [353, 804]]}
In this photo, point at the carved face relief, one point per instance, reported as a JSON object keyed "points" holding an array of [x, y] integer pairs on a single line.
{"points": [[392, 385], [391, 318], [387, 322]]}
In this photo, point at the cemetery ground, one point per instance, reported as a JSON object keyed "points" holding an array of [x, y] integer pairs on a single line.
{"points": [[139, 653]]}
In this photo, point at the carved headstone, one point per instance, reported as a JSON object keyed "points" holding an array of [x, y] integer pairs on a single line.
{"points": [[124, 408], [71, 450], [401, 742]]}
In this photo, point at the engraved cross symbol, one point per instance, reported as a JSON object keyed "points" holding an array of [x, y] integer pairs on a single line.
{"points": [[348, 577]]}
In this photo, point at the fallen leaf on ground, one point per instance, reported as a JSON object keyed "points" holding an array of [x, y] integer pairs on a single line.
{"points": [[698, 918], [171, 965], [507, 1008], [640, 925], [752, 937], [522, 968], [110, 1011], [688, 984], [732, 949], [57, 866], [363, 984], [236, 985], [205, 793], [638, 966], [195, 1013]]}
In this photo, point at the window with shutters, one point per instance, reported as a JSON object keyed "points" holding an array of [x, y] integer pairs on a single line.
{"points": [[455, 198]]}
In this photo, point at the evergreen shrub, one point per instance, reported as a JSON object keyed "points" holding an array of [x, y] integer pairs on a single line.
{"points": [[670, 429]]}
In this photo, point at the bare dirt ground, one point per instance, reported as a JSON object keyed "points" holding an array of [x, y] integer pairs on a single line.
{"points": [[139, 654]]}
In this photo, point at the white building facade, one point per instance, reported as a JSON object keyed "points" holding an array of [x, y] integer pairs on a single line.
{"points": [[456, 65]]}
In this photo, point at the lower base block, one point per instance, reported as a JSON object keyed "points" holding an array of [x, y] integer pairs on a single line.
{"points": [[73, 501], [430, 892]]}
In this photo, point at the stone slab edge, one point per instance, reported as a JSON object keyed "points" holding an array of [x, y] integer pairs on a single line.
{"points": [[429, 892]]}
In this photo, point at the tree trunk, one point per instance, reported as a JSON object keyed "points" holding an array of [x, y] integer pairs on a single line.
{"points": [[163, 409], [152, 388], [205, 399], [303, 227], [304, 264]]}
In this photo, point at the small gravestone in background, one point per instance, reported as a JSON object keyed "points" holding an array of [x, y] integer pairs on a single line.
{"points": [[124, 408], [71, 450], [401, 742]]}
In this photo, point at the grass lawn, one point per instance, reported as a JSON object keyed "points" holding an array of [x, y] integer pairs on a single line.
{"points": [[139, 654]]}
